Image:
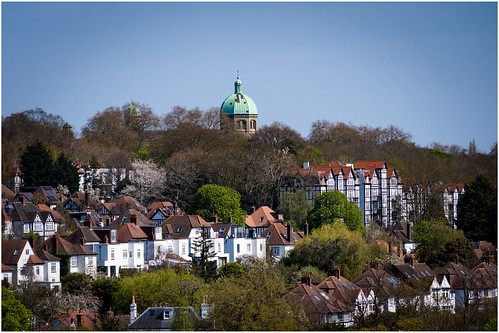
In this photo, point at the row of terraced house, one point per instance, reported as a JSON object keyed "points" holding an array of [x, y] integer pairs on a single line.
{"points": [[373, 185]]}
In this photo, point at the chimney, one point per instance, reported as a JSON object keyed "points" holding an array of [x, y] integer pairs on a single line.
{"points": [[133, 219], [78, 319], [288, 227], [133, 311], [106, 239], [306, 228], [55, 247], [454, 257], [374, 264], [23, 199], [215, 218], [336, 272], [409, 259], [31, 242], [254, 208], [409, 229], [306, 280]]}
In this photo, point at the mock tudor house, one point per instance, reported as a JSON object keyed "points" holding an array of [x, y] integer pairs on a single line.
{"points": [[27, 217], [374, 186]]}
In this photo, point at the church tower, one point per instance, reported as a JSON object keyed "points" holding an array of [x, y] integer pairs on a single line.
{"points": [[239, 110]]}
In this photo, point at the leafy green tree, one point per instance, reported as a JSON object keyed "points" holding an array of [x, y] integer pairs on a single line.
{"points": [[295, 208], [232, 269], [436, 241], [330, 206], [477, 210], [223, 201], [166, 286], [75, 283], [253, 302], [329, 247], [15, 316]]}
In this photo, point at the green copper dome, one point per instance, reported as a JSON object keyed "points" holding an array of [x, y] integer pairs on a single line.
{"points": [[238, 103]]}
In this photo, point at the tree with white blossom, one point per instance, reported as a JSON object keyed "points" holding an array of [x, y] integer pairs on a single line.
{"points": [[147, 181]]}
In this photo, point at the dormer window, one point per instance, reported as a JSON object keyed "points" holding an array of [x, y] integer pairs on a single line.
{"points": [[179, 229], [166, 314]]}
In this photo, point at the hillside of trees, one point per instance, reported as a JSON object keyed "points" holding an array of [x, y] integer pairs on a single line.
{"points": [[192, 150]]}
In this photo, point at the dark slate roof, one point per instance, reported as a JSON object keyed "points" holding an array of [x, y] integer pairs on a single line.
{"points": [[12, 250], [221, 229], [83, 233], [487, 274], [381, 282], [180, 226], [45, 256], [315, 301], [153, 318]]}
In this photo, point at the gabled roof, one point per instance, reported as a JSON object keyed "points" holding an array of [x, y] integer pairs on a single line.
{"points": [[180, 226], [342, 290], [221, 229], [262, 217], [83, 235], [459, 276], [417, 271], [88, 321], [277, 234], [163, 205], [58, 246], [45, 256], [12, 250], [131, 216], [487, 273], [315, 301], [153, 318], [125, 203], [7, 193], [381, 282], [129, 232]]}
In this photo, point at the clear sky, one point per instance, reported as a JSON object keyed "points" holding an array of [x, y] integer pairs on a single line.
{"points": [[427, 68]]}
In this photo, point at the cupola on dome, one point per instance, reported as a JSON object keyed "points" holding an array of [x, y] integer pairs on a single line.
{"points": [[238, 103]]}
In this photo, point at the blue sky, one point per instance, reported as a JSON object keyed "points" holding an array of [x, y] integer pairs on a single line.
{"points": [[427, 68]]}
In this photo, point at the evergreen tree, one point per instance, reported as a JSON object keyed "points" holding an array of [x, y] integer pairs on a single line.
{"points": [[66, 173], [37, 165], [477, 210], [203, 264]]}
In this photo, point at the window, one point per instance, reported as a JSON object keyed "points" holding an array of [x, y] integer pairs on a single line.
{"points": [[37, 270], [53, 267], [183, 248], [74, 261], [37, 226], [219, 247], [276, 251], [49, 226], [113, 236], [166, 314], [179, 229], [238, 248], [138, 253], [125, 254], [26, 228], [248, 247], [90, 262], [27, 252], [112, 254]]}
